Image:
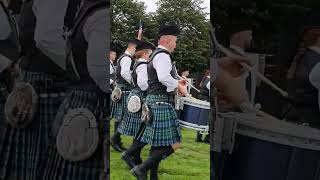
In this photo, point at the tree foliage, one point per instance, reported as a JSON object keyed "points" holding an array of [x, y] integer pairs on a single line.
{"points": [[193, 44]]}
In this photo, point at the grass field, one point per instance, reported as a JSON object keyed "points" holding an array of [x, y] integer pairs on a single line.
{"points": [[191, 162]]}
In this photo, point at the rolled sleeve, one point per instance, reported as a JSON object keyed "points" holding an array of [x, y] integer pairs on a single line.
{"points": [[125, 69], [142, 77]]}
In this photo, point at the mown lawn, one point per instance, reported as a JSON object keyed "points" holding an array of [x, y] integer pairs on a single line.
{"points": [[191, 162]]}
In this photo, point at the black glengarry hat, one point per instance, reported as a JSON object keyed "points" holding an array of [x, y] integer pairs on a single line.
{"points": [[169, 30], [145, 45]]}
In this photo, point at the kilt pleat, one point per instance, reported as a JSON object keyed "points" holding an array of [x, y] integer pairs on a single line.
{"points": [[118, 109], [25, 148], [56, 168], [164, 129], [131, 122]]}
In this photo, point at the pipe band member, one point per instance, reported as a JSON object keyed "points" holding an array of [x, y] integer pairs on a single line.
{"points": [[76, 148], [304, 78], [123, 80], [132, 124], [163, 133]]}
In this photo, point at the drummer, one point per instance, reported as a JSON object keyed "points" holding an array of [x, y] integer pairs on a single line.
{"points": [[132, 122], [304, 80], [205, 96]]}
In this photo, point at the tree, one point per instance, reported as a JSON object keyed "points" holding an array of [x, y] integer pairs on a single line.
{"points": [[193, 45]]}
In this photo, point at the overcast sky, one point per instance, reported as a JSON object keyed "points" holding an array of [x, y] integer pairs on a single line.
{"points": [[152, 7]]}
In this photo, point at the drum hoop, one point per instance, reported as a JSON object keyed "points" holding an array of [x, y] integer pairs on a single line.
{"points": [[286, 137], [201, 106]]}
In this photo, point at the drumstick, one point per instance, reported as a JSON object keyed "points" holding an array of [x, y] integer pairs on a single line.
{"points": [[248, 107], [189, 83], [249, 68]]}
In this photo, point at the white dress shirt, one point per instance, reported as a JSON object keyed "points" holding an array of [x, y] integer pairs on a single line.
{"points": [[163, 65], [142, 75], [111, 71], [49, 29], [49, 37], [314, 75], [5, 29], [125, 64]]}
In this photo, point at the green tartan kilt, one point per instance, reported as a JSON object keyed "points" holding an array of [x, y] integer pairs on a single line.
{"points": [[3, 128], [131, 123], [23, 149], [55, 167], [118, 109], [164, 129]]}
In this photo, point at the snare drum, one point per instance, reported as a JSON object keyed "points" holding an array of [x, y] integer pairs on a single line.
{"points": [[266, 149], [194, 113]]}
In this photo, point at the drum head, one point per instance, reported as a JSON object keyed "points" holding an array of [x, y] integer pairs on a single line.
{"points": [[134, 104], [21, 105], [116, 94], [78, 136]]}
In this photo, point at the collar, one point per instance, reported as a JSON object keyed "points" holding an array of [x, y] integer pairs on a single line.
{"points": [[238, 49], [315, 48], [128, 53], [142, 60], [162, 47]]}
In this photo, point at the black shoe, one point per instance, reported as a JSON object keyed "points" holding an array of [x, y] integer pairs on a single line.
{"points": [[139, 173], [116, 142], [199, 137], [206, 139], [126, 158]]}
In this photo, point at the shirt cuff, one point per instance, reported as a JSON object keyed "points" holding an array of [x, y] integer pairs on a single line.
{"points": [[174, 86]]}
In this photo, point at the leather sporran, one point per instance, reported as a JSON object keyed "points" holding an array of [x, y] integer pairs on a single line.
{"points": [[146, 116], [116, 94], [21, 105]]}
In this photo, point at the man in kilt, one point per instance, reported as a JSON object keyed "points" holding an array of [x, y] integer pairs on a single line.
{"points": [[42, 69], [9, 54], [77, 143], [132, 122], [123, 81], [163, 133]]}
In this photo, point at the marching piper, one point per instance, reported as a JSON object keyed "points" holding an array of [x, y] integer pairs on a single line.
{"points": [[76, 148], [9, 55], [162, 131], [132, 123], [123, 81]]}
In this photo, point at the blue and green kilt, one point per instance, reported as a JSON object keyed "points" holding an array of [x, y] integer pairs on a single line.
{"points": [[55, 166], [4, 130], [118, 109], [164, 129], [24, 149], [131, 123]]}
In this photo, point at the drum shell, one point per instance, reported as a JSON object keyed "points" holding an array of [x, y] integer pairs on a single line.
{"points": [[194, 115], [256, 158]]}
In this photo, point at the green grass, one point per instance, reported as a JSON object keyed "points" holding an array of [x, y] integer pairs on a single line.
{"points": [[191, 162]]}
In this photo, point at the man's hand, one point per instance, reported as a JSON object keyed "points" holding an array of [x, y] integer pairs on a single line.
{"points": [[232, 65]]}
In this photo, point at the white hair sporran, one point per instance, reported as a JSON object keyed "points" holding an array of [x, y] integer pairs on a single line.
{"points": [[134, 104], [146, 116], [21, 105], [78, 135]]}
